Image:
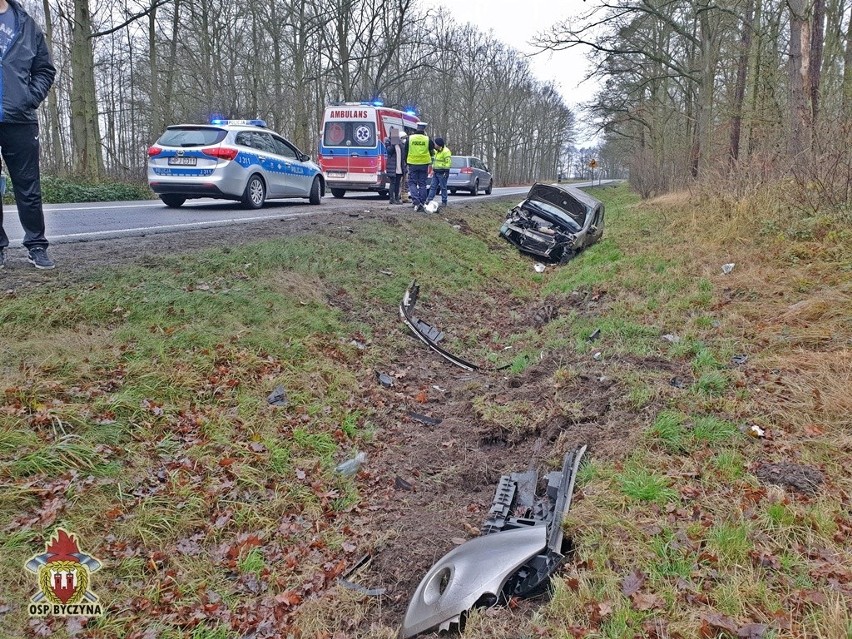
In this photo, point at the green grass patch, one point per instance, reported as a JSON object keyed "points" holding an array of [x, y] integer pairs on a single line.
{"points": [[731, 541], [712, 430], [643, 484], [668, 429]]}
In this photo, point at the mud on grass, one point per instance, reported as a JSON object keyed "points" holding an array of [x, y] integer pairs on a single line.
{"points": [[135, 415]]}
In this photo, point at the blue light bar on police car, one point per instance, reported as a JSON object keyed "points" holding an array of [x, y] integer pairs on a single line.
{"points": [[260, 123]]}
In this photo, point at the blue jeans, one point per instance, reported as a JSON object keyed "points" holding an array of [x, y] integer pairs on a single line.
{"points": [[417, 174], [439, 181]]}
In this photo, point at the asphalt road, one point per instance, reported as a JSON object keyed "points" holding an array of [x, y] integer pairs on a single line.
{"points": [[100, 220]]}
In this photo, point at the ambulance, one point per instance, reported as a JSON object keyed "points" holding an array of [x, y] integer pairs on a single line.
{"points": [[351, 149]]}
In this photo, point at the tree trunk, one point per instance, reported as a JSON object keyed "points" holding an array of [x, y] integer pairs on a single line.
{"points": [[155, 98], [847, 73], [739, 90], [170, 69], [85, 129], [800, 121], [815, 68], [300, 85], [54, 128]]}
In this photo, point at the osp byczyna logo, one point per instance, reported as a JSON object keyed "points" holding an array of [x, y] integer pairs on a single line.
{"points": [[63, 576]]}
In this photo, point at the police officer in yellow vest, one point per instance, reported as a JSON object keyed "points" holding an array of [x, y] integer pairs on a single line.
{"points": [[419, 150], [440, 171]]}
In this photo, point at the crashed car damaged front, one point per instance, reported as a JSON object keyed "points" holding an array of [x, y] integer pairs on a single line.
{"points": [[554, 222]]}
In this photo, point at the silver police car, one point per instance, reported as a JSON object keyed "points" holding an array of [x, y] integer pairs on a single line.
{"points": [[233, 160]]}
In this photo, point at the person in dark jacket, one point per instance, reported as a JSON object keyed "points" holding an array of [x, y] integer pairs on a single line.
{"points": [[26, 75], [395, 164]]}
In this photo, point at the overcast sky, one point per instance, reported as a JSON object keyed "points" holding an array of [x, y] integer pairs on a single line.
{"points": [[516, 22]]}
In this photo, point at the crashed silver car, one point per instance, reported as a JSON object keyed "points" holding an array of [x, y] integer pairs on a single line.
{"points": [[554, 222]]}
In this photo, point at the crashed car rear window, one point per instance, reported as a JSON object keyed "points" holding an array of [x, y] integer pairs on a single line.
{"points": [[186, 136], [457, 162]]}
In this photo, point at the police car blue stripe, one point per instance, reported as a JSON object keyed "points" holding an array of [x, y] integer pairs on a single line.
{"points": [[273, 165], [186, 172]]}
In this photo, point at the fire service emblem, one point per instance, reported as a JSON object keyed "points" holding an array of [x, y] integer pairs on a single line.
{"points": [[63, 575]]}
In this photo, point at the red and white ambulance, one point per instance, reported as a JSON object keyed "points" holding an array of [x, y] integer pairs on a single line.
{"points": [[351, 149]]}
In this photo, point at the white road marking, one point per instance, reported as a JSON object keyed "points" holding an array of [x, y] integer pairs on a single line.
{"points": [[50, 209], [176, 227]]}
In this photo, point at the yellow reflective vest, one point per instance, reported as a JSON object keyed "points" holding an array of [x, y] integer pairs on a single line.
{"points": [[442, 158], [418, 149]]}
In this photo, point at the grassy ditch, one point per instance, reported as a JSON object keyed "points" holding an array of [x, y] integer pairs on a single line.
{"points": [[134, 413]]}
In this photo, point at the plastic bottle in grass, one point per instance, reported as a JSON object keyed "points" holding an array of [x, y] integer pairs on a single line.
{"points": [[350, 467]]}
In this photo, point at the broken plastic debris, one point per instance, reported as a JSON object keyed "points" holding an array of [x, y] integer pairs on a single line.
{"points": [[385, 379], [343, 580], [739, 360], [539, 267], [370, 592], [756, 431], [350, 467], [429, 335], [425, 419], [727, 268], [594, 335], [671, 338], [520, 546], [357, 344], [430, 207], [388, 273], [597, 356], [400, 484], [278, 397], [677, 382]]}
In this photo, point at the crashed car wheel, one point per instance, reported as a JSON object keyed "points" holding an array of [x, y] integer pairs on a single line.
{"points": [[475, 190], [490, 186]]}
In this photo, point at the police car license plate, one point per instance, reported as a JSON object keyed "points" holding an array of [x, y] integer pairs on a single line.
{"points": [[182, 161], [337, 174]]}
